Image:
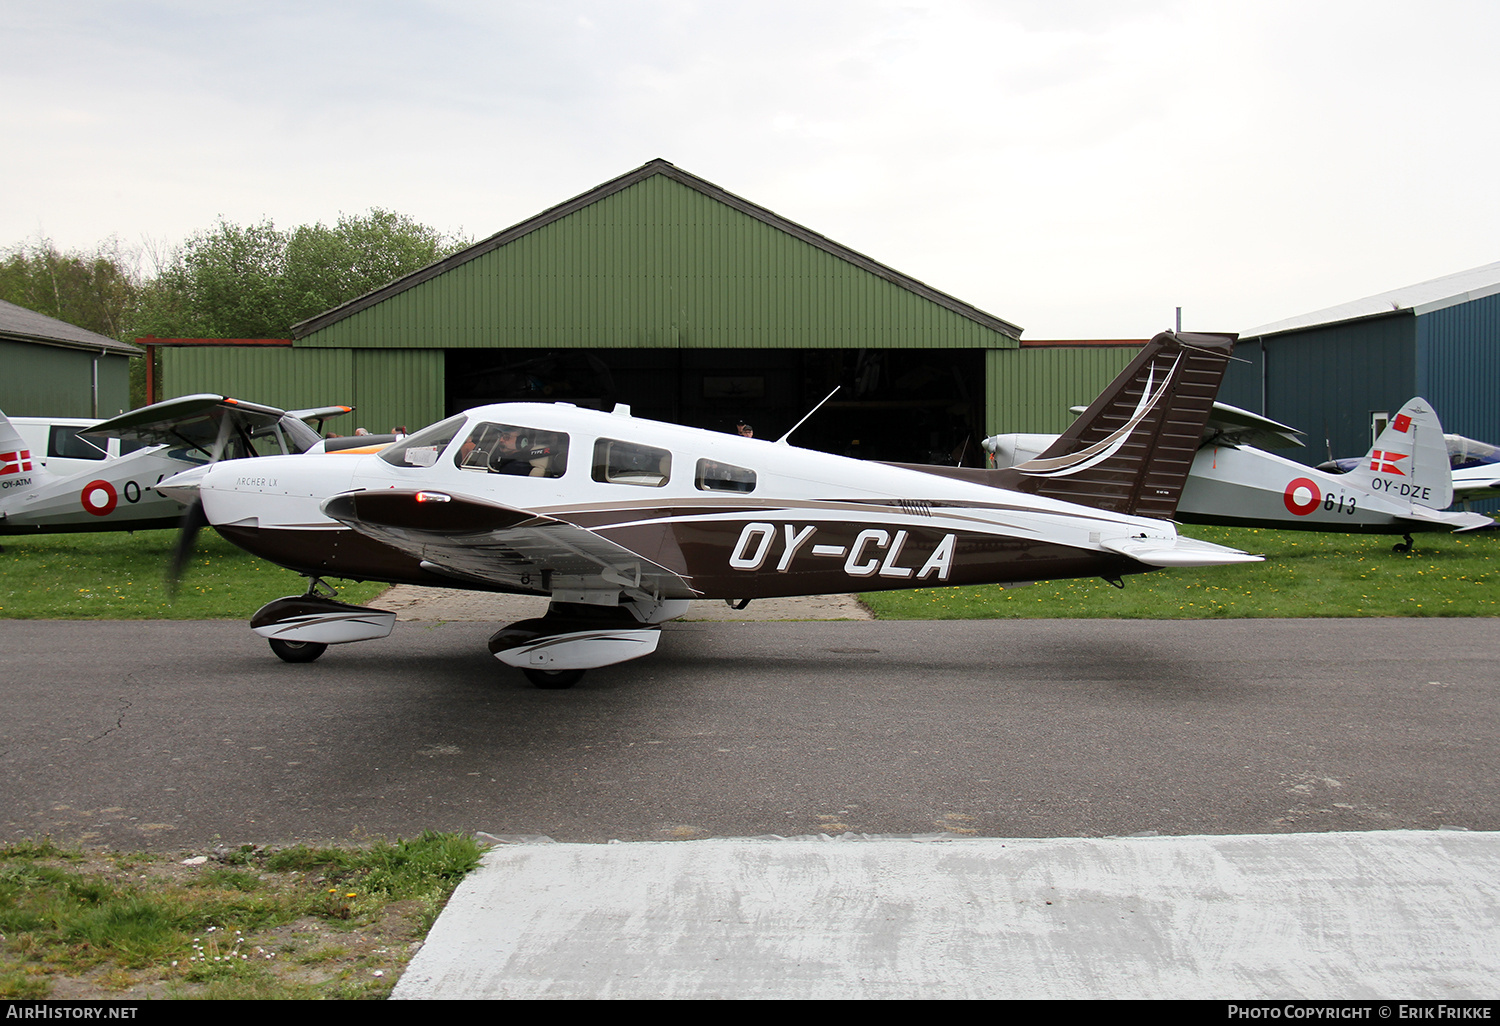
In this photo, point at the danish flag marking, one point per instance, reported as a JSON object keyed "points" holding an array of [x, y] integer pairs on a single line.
{"points": [[18, 462]]}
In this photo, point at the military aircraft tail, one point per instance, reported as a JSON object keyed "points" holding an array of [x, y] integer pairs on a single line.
{"points": [[16, 457], [1131, 450], [1409, 460]]}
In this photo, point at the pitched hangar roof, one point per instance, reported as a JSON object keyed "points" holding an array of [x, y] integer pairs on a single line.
{"points": [[18, 324], [625, 181], [1421, 298]]}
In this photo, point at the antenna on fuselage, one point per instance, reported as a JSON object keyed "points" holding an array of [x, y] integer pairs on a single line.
{"points": [[783, 439]]}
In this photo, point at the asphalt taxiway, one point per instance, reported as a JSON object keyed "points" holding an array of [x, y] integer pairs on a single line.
{"points": [[179, 736]]}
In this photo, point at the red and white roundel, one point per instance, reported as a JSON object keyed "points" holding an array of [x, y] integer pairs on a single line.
{"points": [[1301, 496], [99, 498]]}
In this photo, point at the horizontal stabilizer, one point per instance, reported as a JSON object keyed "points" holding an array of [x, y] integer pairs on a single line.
{"points": [[1457, 521], [1180, 552]]}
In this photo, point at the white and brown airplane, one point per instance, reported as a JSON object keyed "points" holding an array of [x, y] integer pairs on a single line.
{"points": [[622, 521]]}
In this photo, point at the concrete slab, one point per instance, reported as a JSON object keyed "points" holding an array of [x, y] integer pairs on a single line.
{"points": [[1349, 915], [446, 604]]}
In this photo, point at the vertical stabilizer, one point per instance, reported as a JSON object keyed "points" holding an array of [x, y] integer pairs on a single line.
{"points": [[1409, 460], [15, 454], [1131, 450]]}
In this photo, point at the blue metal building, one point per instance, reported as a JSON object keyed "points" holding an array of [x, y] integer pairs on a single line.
{"points": [[1336, 373]]}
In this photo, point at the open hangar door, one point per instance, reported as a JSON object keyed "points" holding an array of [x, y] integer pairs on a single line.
{"points": [[901, 405]]}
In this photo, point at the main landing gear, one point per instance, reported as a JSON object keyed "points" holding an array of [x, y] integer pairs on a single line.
{"points": [[552, 650]]}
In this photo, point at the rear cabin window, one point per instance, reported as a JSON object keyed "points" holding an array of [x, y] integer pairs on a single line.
{"points": [[68, 443], [631, 463], [713, 476], [513, 449]]}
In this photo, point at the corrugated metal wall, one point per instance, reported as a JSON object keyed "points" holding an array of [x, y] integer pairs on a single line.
{"points": [[56, 381], [1031, 390], [1328, 381], [658, 264], [398, 387], [1458, 367], [277, 376], [386, 387], [1242, 380]]}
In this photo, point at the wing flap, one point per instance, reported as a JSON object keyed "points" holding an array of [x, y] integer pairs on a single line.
{"points": [[497, 544]]}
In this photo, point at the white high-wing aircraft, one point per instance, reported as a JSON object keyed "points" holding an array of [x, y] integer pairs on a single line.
{"points": [[1401, 486], [1476, 471], [118, 492], [623, 521]]}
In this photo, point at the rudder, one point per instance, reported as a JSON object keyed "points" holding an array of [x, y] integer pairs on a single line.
{"points": [[1409, 460], [1131, 450]]}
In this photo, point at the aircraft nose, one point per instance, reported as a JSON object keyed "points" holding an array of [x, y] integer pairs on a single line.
{"points": [[184, 486]]}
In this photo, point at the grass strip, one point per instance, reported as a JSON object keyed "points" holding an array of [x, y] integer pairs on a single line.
{"points": [[1306, 573], [248, 923], [122, 576]]}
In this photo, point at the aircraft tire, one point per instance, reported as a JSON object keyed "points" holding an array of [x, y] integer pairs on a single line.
{"points": [[553, 680], [297, 651]]}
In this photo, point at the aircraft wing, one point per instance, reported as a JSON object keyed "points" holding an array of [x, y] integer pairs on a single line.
{"points": [[1230, 425], [193, 419], [1472, 489], [320, 413], [474, 540]]}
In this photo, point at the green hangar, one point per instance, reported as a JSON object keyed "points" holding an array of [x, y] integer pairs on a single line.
{"points": [[690, 304], [56, 369]]}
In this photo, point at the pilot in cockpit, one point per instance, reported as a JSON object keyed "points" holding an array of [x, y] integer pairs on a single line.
{"points": [[507, 449]]}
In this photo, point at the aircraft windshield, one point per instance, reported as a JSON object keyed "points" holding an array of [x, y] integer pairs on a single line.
{"points": [[423, 448], [299, 437], [1466, 452]]}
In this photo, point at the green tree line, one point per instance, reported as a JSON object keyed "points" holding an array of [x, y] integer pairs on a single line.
{"points": [[228, 281]]}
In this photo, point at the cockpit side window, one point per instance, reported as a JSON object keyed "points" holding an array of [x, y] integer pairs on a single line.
{"points": [[423, 448], [69, 443], [713, 476], [513, 449], [631, 463]]}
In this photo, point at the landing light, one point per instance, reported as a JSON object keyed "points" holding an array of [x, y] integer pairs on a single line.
{"points": [[433, 497]]}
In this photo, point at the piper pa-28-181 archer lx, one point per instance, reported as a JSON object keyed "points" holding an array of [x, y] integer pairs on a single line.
{"points": [[623, 521], [117, 493]]}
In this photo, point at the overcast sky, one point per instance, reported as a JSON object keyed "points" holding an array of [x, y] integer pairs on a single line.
{"points": [[1077, 168]]}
